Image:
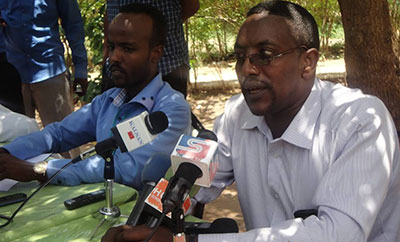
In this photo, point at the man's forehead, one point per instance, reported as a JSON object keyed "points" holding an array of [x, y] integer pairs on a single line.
{"points": [[261, 30], [132, 25]]}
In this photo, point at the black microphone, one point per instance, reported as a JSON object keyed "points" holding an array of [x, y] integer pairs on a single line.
{"points": [[179, 186], [218, 226], [154, 169], [130, 134], [207, 134]]}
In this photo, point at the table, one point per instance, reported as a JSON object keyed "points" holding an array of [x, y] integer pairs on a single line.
{"points": [[44, 217]]}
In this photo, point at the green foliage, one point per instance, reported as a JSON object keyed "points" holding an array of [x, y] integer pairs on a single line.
{"points": [[92, 12], [212, 31], [93, 15]]}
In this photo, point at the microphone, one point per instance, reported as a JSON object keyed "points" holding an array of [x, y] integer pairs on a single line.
{"points": [[199, 151], [139, 130], [130, 134], [193, 156], [218, 226], [154, 169]]}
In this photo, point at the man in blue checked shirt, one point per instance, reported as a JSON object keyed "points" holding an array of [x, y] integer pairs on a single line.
{"points": [[136, 40], [33, 46]]}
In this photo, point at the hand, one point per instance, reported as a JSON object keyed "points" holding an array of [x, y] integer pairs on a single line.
{"points": [[2, 22], [14, 168], [138, 233], [84, 85]]}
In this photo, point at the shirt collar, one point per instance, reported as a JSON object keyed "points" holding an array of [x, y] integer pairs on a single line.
{"points": [[301, 130], [146, 96]]}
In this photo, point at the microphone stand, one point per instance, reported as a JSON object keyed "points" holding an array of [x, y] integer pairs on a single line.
{"points": [[105, 149], [109, 210], [178, 230]]}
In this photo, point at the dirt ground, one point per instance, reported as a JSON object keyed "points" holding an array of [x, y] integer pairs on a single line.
{"points": [[207, 104]]}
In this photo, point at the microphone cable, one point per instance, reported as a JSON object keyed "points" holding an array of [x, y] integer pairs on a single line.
{"points": [[156, 227], [9, 219], [73, 161]]}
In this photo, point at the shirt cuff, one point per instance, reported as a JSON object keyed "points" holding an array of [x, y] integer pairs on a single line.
{"points": [[55, 165]]}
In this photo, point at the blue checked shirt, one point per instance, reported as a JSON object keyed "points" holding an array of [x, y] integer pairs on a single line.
{"points": [[32, 37], [175, 50], [2, 45], [93, 122]]}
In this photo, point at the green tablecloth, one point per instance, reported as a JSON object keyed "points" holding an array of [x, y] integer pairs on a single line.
{"points": [[44, 217]]}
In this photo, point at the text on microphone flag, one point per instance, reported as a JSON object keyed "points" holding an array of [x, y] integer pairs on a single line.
{"points": [[154, 198]]}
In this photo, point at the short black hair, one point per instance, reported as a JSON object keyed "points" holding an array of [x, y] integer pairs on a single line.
{"points": [[160, 28], [304, 27]]}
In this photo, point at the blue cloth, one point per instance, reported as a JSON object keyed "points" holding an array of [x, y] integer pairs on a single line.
{"points": [[94, 121], [33, 40], [175, 50]]}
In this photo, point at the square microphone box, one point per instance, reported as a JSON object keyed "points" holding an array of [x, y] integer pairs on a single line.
{"points": [[197, 151]]}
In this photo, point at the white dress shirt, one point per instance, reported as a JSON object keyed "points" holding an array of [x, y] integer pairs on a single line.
{"points": [[13, 125], [339, 155]]}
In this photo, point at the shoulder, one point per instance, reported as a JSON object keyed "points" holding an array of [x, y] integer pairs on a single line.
{"points": [[167, 97], [236, 107], [344, 105], [236, 113]]}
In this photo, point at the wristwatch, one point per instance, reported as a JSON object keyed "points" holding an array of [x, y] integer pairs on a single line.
{"points": [[40, 168]]}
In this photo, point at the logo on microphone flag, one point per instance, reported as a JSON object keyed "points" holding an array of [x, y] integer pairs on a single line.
{"points": [[131, 135], [154, 198], [190, 148], [198, 151]]}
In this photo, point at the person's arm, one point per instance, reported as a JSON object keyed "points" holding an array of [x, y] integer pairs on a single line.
{"points": [[189, 8], [20, 170], [128, 166], [72, 23], [74, 130]]}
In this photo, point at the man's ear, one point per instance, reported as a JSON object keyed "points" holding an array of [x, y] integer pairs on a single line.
{"points": [[156, 53], [310, 63]]}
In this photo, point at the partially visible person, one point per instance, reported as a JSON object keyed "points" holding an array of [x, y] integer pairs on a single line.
{"points": [[34, 48], [13, 125], [10, 85], [136, 40], [174, 64], [312, 160]]}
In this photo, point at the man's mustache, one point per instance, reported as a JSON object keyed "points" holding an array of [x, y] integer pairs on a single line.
{"points": [[253, 82], [116, 67]]}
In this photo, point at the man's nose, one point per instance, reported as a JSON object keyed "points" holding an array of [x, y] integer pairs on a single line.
{"points": [[114, 55], [248, 68]]}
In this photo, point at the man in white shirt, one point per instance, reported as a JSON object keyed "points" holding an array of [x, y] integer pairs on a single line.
{"points": [[312, 161]]}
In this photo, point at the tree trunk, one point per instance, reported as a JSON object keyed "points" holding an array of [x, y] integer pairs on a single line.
{"points": [[371, 62]]}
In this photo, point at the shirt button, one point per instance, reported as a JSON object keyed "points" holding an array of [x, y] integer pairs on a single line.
{"points": [[276, 196]]}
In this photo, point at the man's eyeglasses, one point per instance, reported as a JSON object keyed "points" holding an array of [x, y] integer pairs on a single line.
{"points": [[262, 58]]}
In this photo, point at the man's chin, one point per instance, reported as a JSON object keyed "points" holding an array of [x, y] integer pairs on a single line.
{"points": [[119, 82]]}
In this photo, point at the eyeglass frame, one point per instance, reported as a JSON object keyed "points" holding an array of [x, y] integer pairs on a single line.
{"points": [[272, 57]]}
